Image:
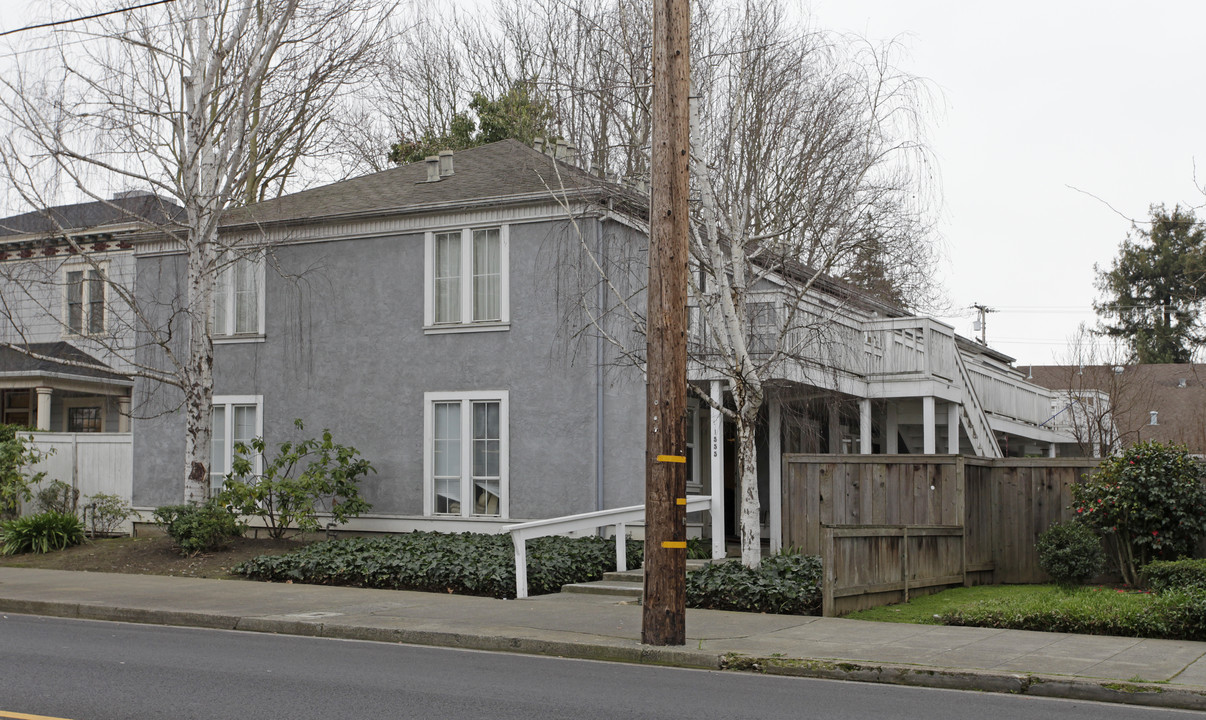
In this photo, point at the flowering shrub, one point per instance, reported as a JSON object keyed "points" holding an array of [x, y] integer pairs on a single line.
{"points": [[1148, 502]]}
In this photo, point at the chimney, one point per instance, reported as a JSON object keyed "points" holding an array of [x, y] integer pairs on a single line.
{"points": [[446, 163], [538, 144], [1154, 414], [433, 168], [559, 153]]}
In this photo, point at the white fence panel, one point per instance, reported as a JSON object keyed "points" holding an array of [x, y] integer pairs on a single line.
{"points": [[90, 462]]}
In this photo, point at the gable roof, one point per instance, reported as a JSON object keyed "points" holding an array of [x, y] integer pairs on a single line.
{"points": [[501, 171], [142, 209]]}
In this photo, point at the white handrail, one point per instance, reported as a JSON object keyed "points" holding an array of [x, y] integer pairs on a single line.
{"points": [[618, 517]]}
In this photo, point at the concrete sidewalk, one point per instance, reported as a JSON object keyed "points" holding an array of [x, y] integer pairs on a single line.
{"points": [[1146, 672]]}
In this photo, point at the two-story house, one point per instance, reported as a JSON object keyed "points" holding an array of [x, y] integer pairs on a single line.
{"points": [[431, 315]]}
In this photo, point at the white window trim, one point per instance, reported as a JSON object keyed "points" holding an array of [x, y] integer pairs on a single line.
{"points": [[223, 328], [229, 401], [69, 403], [84, 267], [504, 451], [467, 323]]}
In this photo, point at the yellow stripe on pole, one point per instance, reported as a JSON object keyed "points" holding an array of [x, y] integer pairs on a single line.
{"points": [[671, 458], [681, 501], [23, 716], [674, 544]]}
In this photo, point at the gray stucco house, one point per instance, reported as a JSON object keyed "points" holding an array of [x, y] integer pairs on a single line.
{"points": [[437, 317]]}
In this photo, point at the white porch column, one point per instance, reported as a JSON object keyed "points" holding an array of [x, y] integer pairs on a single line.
{"points": [[928, 431], [864, 426], [123, 414], [952, 428], [44, 395], [891, 430], [774, 412], [717, 472], [1051, 450]]}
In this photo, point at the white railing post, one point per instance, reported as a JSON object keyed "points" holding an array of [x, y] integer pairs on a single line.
{"points": [[521, 565], [621, 548]]}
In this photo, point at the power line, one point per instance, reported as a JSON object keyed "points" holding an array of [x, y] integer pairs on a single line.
{"points": [[56, 23]]}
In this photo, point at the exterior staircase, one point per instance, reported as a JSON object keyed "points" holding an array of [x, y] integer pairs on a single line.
{"points": [[629, 584]]}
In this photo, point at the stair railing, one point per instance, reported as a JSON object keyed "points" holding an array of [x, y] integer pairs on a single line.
{"points": [[618, 518]]}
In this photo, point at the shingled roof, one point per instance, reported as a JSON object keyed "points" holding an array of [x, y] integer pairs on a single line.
{"points": [[1175, 392], [70, 361], [143, 209], [502, 171]]}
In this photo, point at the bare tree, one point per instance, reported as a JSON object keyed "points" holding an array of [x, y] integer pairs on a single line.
{"points": [[212, 103], [807, 159]]}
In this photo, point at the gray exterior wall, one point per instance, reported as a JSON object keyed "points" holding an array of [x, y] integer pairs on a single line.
{"points": [[345, 349]]}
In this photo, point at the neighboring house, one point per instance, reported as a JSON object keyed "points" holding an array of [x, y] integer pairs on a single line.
{"points": [[434, 316], [1107, 407], [65, 340]]}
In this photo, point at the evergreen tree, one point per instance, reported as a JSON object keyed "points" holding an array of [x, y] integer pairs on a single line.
{"points": [[517, 113], [1154, 292]]}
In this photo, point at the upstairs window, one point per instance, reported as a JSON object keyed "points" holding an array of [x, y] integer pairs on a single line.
{"points": [[85, 301], [467, 279], [239, 299]]}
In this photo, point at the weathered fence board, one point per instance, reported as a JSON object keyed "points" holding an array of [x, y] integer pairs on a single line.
{"points": [[870, 565]]}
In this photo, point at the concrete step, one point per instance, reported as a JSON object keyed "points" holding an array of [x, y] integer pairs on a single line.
{"points": [[606, 587]]}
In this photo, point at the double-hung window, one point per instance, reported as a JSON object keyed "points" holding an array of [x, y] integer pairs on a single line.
{"points": [[239, 299], [467, 280], [465, 454], [85, 300], [236, 418]]}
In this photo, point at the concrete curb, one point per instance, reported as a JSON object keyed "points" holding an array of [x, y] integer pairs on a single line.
{"points": [[1110, 691], [1146, 694]]}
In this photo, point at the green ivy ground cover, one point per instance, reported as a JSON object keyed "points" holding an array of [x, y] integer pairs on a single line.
{"points": [[466, 563]]}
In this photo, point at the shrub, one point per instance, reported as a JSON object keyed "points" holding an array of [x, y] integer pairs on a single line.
{"points": [[58, 497], [328, 483], [1149, 502], [41, 533], [785, 583], [17, 454], [1070, 552], [108, 512], [467, 563], [1164, 575], [698, 548], [199, 528]]}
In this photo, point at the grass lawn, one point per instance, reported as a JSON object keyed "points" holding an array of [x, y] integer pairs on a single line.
{"points": [[1095, 610], [926, 610]]}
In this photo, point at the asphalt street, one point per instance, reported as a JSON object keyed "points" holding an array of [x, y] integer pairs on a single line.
{"points": [[108, 671]]}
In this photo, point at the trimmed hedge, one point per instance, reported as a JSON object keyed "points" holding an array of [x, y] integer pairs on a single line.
{"points": [[785, 584], [1175, 614], [466, 563], [199, 528], [1164, 575]]}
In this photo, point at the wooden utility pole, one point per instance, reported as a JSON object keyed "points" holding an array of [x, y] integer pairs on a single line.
{"points": [[665, 614]]}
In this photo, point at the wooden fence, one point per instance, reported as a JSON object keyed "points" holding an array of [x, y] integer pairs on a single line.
{"points": [[1000, 505], [871, 565]]}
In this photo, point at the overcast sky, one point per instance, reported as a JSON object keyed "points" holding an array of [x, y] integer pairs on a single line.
{"points": [[1056, 122]]}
